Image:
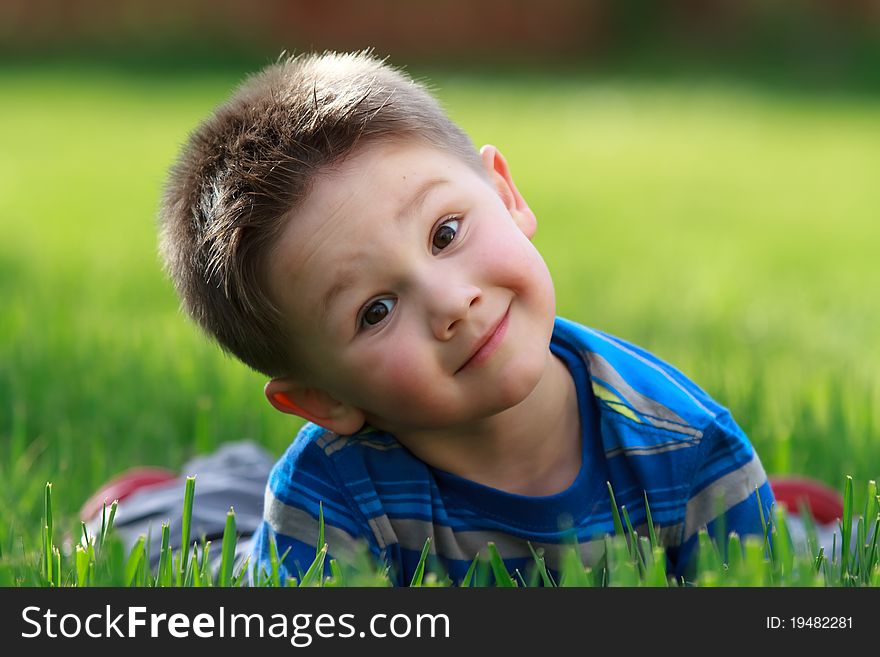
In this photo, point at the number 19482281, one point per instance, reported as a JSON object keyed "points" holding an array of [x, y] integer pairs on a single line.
{"points": [[810, 622]]}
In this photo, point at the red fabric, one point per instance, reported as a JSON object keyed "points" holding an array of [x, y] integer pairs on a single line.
{"points": [[122, 486], [824, 503]]}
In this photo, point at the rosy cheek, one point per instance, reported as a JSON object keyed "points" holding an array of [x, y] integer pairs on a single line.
{"points": [[389, 368], [512, 261]]}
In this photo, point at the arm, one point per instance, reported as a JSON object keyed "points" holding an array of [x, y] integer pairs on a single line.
{"points": [[729, 493]]}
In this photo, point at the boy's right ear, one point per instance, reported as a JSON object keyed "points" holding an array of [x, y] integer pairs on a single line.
{"points": [[315, 405]]}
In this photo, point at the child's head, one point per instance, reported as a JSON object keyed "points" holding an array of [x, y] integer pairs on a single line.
{"points": [[332, 228]]}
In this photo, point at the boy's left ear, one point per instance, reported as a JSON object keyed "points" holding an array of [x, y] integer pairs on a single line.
{"points": [[499, 174]]}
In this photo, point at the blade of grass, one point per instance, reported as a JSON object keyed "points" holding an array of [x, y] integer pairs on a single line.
{"points": [[783, 555], [82, 566], [651, 531], [314, 576], [869, 500], [186, 522], [336, 573], [103, 524], [622, 568], [189, 575], [502, 577], [872, 554], [823, 563], [571, 568], [541, 566], [633, 540], [755, 565], [420, 567], [708, 560], [57, 568], [204, 575], [47, 556], [135, 559], [846, 528], [764, 524], [861, 548], [806, 518], [866, 549], [657, 575], [469, 575], [49, 531], [734, 558], [163, 574], [533, 576], [274, 569], [834, 549], [321, 540], [240, 574], [194, 566], [618, 526], [227, 549], [107, 522]]}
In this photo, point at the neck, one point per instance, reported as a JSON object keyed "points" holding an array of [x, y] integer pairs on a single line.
{"points": [[533, 448]]}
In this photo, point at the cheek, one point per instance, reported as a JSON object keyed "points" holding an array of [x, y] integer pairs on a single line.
{"points": [[389, 371], [514, 262], [399, 383]]}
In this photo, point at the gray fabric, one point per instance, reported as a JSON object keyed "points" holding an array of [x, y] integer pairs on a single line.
{"points": [[233, 476], [825, 537]]}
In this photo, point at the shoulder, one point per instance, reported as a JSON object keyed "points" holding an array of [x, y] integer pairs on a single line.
{"points": [[318, 452], [322, 465], [635, 383], [305, 478], [321, 474]]}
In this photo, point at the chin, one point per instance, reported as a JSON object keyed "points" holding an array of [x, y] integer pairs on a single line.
{"points": [[514, 384]]}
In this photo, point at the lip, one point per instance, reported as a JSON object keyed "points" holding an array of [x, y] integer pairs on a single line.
{"points": [[487, 345]]}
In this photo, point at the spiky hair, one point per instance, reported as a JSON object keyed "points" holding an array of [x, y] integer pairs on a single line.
{"points": [[245, 170]]}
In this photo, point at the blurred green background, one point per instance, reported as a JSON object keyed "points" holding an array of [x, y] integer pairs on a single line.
{"points": [[706, 186]]}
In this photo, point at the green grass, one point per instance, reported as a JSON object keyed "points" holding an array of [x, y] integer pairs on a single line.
{"points": [[630, 560], [732, 231]]}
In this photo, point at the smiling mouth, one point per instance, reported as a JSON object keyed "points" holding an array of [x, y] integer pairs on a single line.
{"points": [[488, 343]]}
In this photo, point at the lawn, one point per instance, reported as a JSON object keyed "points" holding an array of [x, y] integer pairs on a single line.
{"points": [[729, 229]]}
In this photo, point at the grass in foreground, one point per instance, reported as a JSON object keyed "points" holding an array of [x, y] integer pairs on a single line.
{"points": [[630, 560]]}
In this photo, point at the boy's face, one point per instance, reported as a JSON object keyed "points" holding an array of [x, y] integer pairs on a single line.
{"points": [[400, 264]]}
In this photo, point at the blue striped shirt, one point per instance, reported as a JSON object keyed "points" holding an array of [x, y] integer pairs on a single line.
{"points": [[646, 429]]}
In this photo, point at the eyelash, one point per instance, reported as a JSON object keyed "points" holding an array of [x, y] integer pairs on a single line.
{"points": [[361, 315]]}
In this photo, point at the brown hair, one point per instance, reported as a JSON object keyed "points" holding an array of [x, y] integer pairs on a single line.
{"points": [[249, 164]]}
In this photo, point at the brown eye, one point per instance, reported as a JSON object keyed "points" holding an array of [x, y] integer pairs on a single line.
{"points": [[377, 311], [445, 234]]}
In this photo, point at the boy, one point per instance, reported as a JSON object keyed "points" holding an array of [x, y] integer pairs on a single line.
{"points": [[333, 229]]}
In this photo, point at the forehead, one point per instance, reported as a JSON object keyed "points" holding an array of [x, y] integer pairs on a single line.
{"points": [[381, 173], [345, 204]]}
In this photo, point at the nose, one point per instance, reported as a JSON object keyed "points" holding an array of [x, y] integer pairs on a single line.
{"points": [[448, 304]]}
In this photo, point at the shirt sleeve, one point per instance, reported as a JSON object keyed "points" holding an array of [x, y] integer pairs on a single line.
{"points": [[729, 493], [302, 486]]}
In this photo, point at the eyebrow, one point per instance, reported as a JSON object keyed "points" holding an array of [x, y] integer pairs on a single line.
{"points": [[347, 279], [418, 198]]}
